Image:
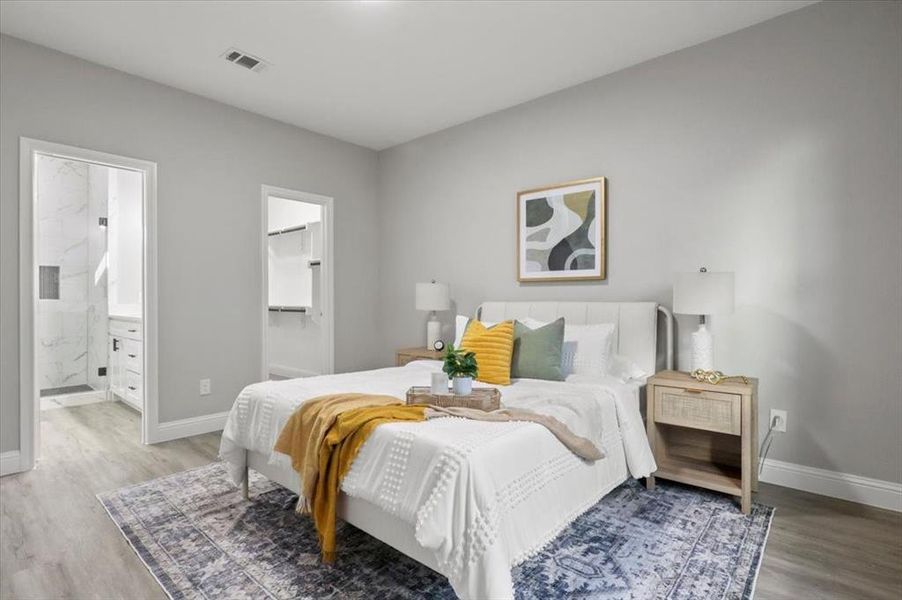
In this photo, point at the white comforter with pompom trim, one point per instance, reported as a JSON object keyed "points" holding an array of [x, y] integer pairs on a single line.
{"points": [[482, 496]]}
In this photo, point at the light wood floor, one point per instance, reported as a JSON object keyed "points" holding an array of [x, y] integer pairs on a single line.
{"points": [[56, 541]]}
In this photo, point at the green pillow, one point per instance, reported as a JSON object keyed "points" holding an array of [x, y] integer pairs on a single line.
{"points": [[537, 352]]}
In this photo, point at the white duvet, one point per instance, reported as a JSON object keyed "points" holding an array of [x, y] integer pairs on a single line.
{"points": [[482, 496]]}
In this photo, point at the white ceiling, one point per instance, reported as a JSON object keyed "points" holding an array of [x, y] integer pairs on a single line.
{"points": [[377, 73]]}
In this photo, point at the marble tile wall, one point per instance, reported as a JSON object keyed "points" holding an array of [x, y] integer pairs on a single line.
{"points": [[97, 317], [67, 237]]}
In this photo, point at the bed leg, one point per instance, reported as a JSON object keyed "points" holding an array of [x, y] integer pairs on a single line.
{"points": [[246, 483]]}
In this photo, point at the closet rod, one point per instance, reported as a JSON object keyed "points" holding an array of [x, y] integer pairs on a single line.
{"points": [[297, 309], [287, 230]]}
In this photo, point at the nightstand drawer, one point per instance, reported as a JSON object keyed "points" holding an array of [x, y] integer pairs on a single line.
{"points": [[699, 409]]}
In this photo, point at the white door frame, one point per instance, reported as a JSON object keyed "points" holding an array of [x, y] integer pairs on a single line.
{"points": [[327, 270], [29, 391]]}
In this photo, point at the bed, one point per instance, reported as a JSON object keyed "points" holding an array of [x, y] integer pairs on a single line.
{"points": [[471, 499]]}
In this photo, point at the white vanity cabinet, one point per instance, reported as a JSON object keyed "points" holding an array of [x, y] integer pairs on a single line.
{"points": [[126, 362]]}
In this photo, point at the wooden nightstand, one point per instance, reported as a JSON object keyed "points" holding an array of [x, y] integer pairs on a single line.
{"points": [[405, 355], [703, 434]]}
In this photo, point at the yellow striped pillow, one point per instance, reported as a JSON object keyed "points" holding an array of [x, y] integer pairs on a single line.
{"points": [[494, 348]]}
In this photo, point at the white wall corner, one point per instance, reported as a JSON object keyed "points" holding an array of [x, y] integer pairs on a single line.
{"points": [[10, 463], [182, 428], [864, 490]]}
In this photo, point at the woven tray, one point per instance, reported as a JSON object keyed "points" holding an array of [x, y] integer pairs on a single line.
{"points": [[481, 398]]}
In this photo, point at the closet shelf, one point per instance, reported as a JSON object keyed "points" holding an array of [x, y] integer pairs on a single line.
{"points": [[293, 309]]}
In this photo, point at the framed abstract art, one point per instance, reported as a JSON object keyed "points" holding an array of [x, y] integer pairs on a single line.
{"points": [[561, 232]]}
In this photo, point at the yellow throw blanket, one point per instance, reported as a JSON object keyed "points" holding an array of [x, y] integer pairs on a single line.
{"points": [[323, 437]]}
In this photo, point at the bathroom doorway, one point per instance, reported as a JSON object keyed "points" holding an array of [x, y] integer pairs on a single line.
{"points": [[89, 284], [297, 284], [85, 264]]}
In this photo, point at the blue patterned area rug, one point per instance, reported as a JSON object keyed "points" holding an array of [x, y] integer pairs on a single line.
{"points": [[200, 539]]}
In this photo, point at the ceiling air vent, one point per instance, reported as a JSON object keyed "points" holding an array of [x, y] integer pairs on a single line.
{"points": [[243, 59]]}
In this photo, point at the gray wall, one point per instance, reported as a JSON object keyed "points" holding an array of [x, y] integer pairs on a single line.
{"points": [[773, 152], [211, 161]]}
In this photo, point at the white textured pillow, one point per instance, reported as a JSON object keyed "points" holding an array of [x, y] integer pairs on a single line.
{"points": [[535, 323], [626, 370], [460, 325], [587, 348]]}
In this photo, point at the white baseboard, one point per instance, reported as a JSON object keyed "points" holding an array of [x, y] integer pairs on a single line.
{"points": [[173, 430], [864, 490], [291, 372], [10, 463]]}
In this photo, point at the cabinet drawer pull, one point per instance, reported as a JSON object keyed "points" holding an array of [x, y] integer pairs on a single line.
{"points": [[132, 388], [132, 330], [694, 391], [133, 356]]}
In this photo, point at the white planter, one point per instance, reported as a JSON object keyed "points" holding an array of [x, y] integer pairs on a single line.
{"points": [[462, 386]]}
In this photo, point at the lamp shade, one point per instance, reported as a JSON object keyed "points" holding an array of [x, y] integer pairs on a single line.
{"points": [[433, 296], [703, 293]]}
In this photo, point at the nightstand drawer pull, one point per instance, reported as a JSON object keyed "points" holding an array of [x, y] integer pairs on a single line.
{"points": [[699, 409]]}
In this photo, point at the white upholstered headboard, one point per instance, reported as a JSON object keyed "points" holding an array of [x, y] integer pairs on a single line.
{"points": [[637, 324]]}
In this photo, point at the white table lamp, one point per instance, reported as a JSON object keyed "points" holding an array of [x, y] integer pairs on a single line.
{"points": [[703, 294], [432, 297]]}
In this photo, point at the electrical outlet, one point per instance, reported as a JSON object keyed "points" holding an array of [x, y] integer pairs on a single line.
{"points": [[781, 415], [204, 387]]}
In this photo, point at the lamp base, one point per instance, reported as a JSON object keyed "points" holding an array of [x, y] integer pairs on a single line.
{"points": [[702, 349], [433, 331]]}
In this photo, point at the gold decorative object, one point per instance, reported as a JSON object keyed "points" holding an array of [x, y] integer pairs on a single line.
{"points": [[715, 377]]}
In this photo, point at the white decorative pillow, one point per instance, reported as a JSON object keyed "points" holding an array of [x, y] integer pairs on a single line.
{"points": [[460, 325], [587, 348], [535, 323], [626, 370]]}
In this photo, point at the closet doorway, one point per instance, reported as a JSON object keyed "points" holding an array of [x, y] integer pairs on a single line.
{"points": [[298, 310], [87, 290]]}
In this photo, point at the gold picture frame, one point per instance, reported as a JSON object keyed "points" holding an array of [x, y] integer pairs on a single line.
{"points": [[562, 232]]}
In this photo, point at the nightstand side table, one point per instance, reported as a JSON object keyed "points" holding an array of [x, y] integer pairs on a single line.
{"points": [[406, 355], [703, 434]]}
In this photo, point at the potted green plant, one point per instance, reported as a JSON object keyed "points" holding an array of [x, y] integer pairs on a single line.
{"points": [[461, 367]]}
